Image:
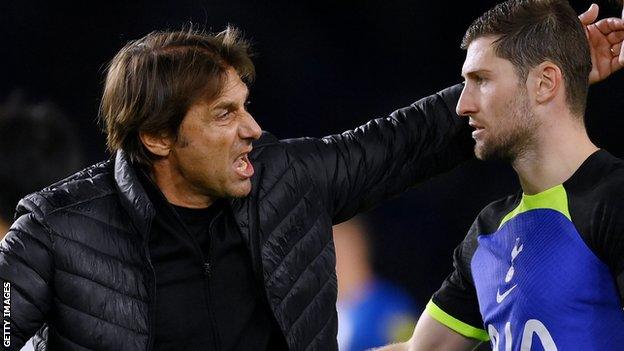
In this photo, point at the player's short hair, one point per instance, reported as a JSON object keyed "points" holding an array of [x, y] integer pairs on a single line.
{"points": [[152, 82], [530, 32], [38, 146]]}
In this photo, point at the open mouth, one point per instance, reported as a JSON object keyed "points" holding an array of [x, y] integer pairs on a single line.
{"points": [[243, 166]]}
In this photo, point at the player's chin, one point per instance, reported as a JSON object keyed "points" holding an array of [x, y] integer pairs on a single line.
{"points": [[479, 151], [486, 152]]}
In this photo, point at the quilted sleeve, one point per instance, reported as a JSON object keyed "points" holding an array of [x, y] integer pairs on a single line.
{"points": [[355, 170]]}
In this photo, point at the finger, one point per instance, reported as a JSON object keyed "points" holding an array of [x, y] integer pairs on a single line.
{"points": [[608, 25], [615, 37], [616, 51], [589, 16], [618, 54], [621, 57]]}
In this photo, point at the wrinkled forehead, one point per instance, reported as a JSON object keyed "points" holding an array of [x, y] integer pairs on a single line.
{"points": [[232, 89]]}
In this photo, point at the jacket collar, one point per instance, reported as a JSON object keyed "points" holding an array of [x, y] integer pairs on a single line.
{"points": [[133, 197], [137, 204]]}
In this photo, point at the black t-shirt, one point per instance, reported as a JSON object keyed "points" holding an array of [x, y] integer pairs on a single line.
{"points": [[207, 295], [545, 270]]}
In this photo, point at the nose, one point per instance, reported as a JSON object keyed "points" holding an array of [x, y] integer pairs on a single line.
{"points": [[466, 105], [250, 129]]}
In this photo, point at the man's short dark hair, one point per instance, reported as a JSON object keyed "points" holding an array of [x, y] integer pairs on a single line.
{"points": [[38, 146], [152, 82], [530, 32]]}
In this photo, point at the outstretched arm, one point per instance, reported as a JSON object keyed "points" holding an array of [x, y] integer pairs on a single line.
{"points": [[355, 170]]}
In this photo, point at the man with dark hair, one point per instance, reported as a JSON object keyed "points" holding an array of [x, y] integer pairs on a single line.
{"points": [[203, 232], [542, 269], [38, 146]]}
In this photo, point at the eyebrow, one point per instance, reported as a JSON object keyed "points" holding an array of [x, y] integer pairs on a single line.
{"points": [[226, 104], [475, 72]]}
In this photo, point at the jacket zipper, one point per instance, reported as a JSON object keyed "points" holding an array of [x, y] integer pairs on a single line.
{"points": [[207, 273], [208, 287]]}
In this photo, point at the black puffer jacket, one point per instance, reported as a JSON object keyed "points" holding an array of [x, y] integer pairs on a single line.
{"points": [[77, 258]]}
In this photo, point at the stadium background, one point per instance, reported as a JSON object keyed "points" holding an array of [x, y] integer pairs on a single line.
{"points": [[322, 67]]}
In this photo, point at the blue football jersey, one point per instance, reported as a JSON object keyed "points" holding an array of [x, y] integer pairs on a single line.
{"points": [[544, 271]]}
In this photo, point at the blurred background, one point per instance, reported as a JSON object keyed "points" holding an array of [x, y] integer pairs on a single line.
{"points": [[322, 67]]}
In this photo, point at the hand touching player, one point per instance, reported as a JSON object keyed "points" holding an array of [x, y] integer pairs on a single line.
{"points": [[605, 42]]}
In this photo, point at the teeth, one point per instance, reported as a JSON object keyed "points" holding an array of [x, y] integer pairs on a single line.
{"points": [[242, 164]]}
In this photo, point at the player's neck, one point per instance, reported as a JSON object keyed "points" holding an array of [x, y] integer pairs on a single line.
{"points": [[176, 189], [560, 148]]}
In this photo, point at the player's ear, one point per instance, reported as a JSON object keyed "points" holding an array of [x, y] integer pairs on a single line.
{"points": [[545, 81], [159, 143]]}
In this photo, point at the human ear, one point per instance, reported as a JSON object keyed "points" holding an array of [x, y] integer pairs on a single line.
{"points": [[159, 143], [546, 80]]}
